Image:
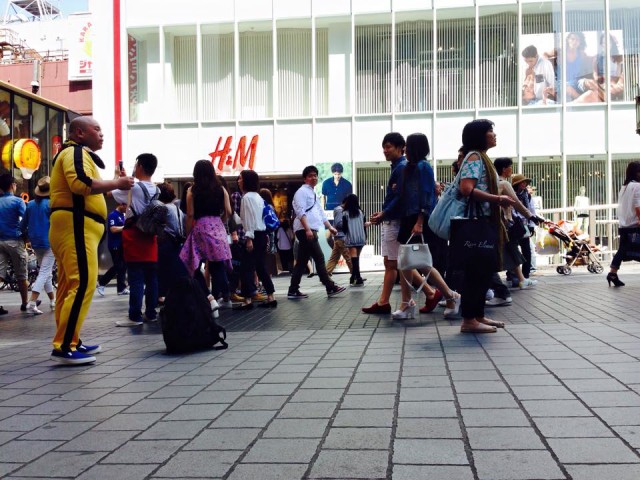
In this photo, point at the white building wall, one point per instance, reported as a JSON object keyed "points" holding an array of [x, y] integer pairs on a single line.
{"points": [[286, 145]]}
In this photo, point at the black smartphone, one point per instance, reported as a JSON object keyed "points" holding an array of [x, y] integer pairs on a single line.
{"points": [[121, 165]]}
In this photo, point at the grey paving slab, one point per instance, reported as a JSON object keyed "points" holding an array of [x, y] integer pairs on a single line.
{"points": [[429, 452], [268, 471], [593, 450], [604, 472], [296, 428], [575, 427], [61, 464], [441, 472], [223, 439], [131, 472], [144, 451], [194, 464], [358, 439], [277, 450], [517, 465], [368, 464]]}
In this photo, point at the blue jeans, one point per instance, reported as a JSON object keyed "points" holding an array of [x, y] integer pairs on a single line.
{"points": [[143, 282]]}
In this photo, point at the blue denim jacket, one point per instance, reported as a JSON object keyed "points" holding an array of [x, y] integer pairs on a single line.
{"points": [[391, 203], [417, 192], [12, 209]]}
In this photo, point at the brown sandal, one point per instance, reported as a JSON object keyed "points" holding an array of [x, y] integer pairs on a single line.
{"points": [[493, 323], [480, 328]]}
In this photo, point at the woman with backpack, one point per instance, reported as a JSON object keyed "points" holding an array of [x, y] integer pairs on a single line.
{"points": [[208, 207], [252, 212], [352, 223]]}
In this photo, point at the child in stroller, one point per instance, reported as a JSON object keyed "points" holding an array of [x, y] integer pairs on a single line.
{"points": [[578, 249]]}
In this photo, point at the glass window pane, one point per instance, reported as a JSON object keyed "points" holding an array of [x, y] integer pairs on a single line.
{"points": [[373, 64], [585, 58], [256, 70], [455, 59], [294, 68], [541, 29], [144, 75], [546, 176], [218, 83], [498, 56], [322, 71], [625, 25], [181, 74], [414, 63]]}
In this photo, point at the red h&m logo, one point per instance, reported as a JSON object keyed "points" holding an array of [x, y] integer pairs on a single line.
{"points": [[244, 158]]}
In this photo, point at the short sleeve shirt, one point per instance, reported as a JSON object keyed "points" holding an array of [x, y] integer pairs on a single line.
{"points": [[114, 240], [475, 169]]}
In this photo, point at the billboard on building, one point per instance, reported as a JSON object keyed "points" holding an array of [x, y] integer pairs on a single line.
{"points": [[80, 44]]}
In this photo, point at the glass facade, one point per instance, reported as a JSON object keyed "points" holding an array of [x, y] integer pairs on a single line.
{"points": [[558, 77], [31, 133]]}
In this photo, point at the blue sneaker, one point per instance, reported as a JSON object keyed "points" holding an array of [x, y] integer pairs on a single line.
{"points": [[71, 358], [88, 349]]}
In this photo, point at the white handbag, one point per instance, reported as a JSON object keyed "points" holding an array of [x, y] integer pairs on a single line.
{"points": [[414, 256]]}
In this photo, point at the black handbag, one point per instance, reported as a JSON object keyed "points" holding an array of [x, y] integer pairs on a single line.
{"points": [[517, 229], [630, 243], [474, 241]]}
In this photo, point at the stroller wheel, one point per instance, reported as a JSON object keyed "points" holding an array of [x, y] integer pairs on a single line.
{"points": [[590, 268], [567, 270], [597, 268], [560, 269]]}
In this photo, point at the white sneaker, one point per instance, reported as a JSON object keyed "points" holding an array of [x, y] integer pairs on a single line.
{"points": [[225, 305], [527, 283], [499, 302], [33, 309], [52, 305], [123, 292], [489, 295], [127, 323], [100, 290]]}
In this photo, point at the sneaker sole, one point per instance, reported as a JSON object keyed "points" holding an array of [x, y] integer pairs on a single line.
{"points": [[333, 294], [94, 351], [296, 298], [66, 361], [132, 324]]}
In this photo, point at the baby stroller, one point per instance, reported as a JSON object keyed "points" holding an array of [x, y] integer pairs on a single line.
{"points": [[578, 251]]}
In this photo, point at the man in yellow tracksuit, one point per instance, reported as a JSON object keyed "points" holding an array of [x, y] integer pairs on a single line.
{"points": [[78, 216]]}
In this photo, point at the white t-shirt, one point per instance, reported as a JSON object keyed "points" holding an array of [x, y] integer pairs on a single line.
{"points": [[138, 200], [628, 201]]}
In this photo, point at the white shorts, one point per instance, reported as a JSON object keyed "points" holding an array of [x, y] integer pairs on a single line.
{"points": [[389, 244]]}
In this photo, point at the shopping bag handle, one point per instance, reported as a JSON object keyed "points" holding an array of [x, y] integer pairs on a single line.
{"points": [[413, 235]]}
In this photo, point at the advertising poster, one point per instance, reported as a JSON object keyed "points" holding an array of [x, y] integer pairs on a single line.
{"points": [[583, 55]]}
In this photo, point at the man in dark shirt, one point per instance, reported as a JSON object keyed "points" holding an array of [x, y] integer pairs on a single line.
{"points": [[393, 148], [336, 188], [114, 243]]}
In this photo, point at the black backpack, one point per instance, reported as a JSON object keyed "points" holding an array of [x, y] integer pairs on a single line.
{"points": [[187, 320], [153, 219]]}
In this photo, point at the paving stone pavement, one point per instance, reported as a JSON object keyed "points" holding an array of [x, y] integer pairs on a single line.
{"points": [[317, 390]]}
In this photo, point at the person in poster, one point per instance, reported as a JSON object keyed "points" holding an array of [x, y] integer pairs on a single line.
{"points": [[539, 83], [335, 188]]}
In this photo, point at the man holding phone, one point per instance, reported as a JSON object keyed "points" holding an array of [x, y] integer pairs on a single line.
{"points": [[309, 219], [78, 215]]}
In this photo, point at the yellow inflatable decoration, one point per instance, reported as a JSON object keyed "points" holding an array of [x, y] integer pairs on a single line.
{"points": [[26, 156]]}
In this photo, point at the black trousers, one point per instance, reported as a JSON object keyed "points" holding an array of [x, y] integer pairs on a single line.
{"points": [[476, 281], [118, 269], [309, 249]]}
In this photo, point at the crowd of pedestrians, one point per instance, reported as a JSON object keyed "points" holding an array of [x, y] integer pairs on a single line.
{"points": [[223, 239]]}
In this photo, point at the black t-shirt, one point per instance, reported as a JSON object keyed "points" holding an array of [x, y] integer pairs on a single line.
{"points": [[207, 203]]}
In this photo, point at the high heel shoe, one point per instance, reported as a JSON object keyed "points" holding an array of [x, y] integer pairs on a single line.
{"points": [[452, 312], [409, 311], [613, 278]]}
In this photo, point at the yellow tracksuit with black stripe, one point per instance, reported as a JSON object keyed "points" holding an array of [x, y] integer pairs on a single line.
{"points": [[77, 225]]}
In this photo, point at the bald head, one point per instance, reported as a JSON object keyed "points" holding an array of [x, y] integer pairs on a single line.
{"points": [[86, 131]]}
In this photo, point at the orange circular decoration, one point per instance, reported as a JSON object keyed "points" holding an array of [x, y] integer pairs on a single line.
{"points": [[25, 197], [25, 153]]}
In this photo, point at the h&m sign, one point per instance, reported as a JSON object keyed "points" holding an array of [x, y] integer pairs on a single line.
{"points": [[244, 158]]}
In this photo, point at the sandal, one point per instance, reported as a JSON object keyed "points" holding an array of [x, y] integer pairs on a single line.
{"points": [[480, 328], [493, 323]]}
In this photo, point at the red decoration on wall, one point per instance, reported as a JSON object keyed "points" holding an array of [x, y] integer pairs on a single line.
{"points": [[244, 157]]}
